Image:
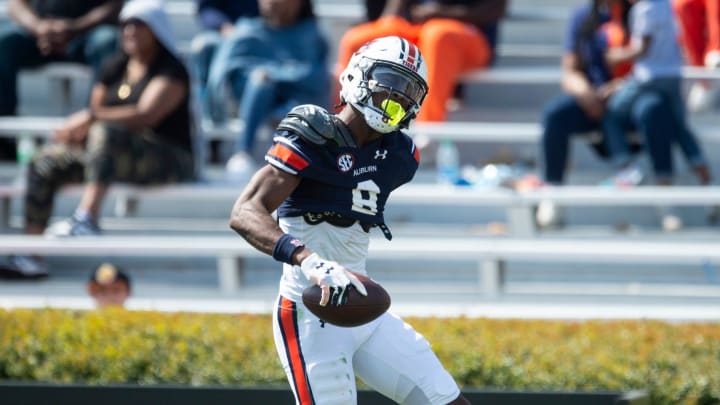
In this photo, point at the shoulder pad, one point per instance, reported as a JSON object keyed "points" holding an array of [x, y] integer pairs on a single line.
{"points": [[312, 123]]}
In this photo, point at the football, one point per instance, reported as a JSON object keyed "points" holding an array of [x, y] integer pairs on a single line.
{"points": [[358, 309]]}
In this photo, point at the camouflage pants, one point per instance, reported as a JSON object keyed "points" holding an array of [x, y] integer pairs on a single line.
{"points": [[112, 154]]}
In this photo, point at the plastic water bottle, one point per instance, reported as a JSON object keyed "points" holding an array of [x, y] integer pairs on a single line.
{"points": [[709, 271], [448, 162], [25, 152]]}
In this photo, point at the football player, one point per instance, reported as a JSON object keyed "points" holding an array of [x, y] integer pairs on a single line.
{"points": [[328, 177]]}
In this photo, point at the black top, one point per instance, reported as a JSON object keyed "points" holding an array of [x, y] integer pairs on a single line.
{"points": [[64, 8], [175, 127]]}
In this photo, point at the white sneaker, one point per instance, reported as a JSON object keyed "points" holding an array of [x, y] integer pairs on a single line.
{"points": [[669, 220], [72, 227], [700, 98], [239, 168], [548, 215], [630, 176], [712, 59], [23, 267]]}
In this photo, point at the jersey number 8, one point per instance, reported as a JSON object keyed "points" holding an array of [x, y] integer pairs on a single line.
{"points": [[365, 197]]}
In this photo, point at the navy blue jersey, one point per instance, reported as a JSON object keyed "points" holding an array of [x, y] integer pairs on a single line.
{"points": [[347, 180]]}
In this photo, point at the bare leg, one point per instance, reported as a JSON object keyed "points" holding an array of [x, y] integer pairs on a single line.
{"points": [[92, 199]]}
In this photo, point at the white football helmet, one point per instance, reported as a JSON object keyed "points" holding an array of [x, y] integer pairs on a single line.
{"points": [[386, 80]]}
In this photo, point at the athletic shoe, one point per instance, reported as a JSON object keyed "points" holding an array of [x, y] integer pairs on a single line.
{"points": [[73, 227], [700, 97], [670, 221], [548, 215], [712, 59], [630, 176], [22, 267]]}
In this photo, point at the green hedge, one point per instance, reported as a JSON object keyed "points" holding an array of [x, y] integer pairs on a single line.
{"points": [[676, 363]]}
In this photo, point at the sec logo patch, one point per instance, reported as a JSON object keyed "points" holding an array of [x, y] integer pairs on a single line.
{"points": [[345, 162]]}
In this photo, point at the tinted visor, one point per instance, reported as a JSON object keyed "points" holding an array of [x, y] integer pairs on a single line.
{"points": [[398, 81]]}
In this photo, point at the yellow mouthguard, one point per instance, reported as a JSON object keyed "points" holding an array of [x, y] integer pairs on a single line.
{"points": [[394, 110]]}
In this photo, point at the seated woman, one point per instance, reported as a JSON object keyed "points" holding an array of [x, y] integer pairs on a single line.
{"points": [[136, 130], [269, 71]]}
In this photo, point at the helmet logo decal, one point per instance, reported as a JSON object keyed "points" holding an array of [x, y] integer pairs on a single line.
{"points": [[412, 59], [345, 162]]}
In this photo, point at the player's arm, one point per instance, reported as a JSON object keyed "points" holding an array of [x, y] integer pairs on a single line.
{"points": [[251, 216]]}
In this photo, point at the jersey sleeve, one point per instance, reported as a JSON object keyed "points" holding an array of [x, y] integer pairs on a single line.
{"points": [[289, 153], [410, 157]]}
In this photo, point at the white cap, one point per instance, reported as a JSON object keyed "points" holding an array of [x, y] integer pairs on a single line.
{"points": [[152, 13]]}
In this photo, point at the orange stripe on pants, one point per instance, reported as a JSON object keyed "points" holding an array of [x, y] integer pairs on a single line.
{"points": [[450, 49], [288, 326]]}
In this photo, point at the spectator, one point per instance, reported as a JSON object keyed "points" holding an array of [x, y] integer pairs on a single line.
{"points": [[217, 20], [455, 37], [657, 63], [137, 129], [588, 84], [48, 31], [700, 24], [657, 69], [269, 71], [109, 286]]}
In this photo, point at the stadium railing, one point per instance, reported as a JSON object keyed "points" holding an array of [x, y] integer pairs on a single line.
{"points": [[491, 254]]}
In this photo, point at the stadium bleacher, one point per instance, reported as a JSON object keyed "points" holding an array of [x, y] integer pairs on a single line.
{"points": [[500, 114]]}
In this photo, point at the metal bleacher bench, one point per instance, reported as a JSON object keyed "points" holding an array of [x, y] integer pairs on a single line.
{"points": [[491, 254], [461, 131], [519, 206]]}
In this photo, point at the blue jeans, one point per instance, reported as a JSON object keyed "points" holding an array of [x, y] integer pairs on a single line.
{"points": [[563, 118], [203, 48], [264, 98], [264, 86], [19, 50], [619, 113]]}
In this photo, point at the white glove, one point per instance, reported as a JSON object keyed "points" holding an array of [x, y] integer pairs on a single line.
{"points": [[333, 279]]}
